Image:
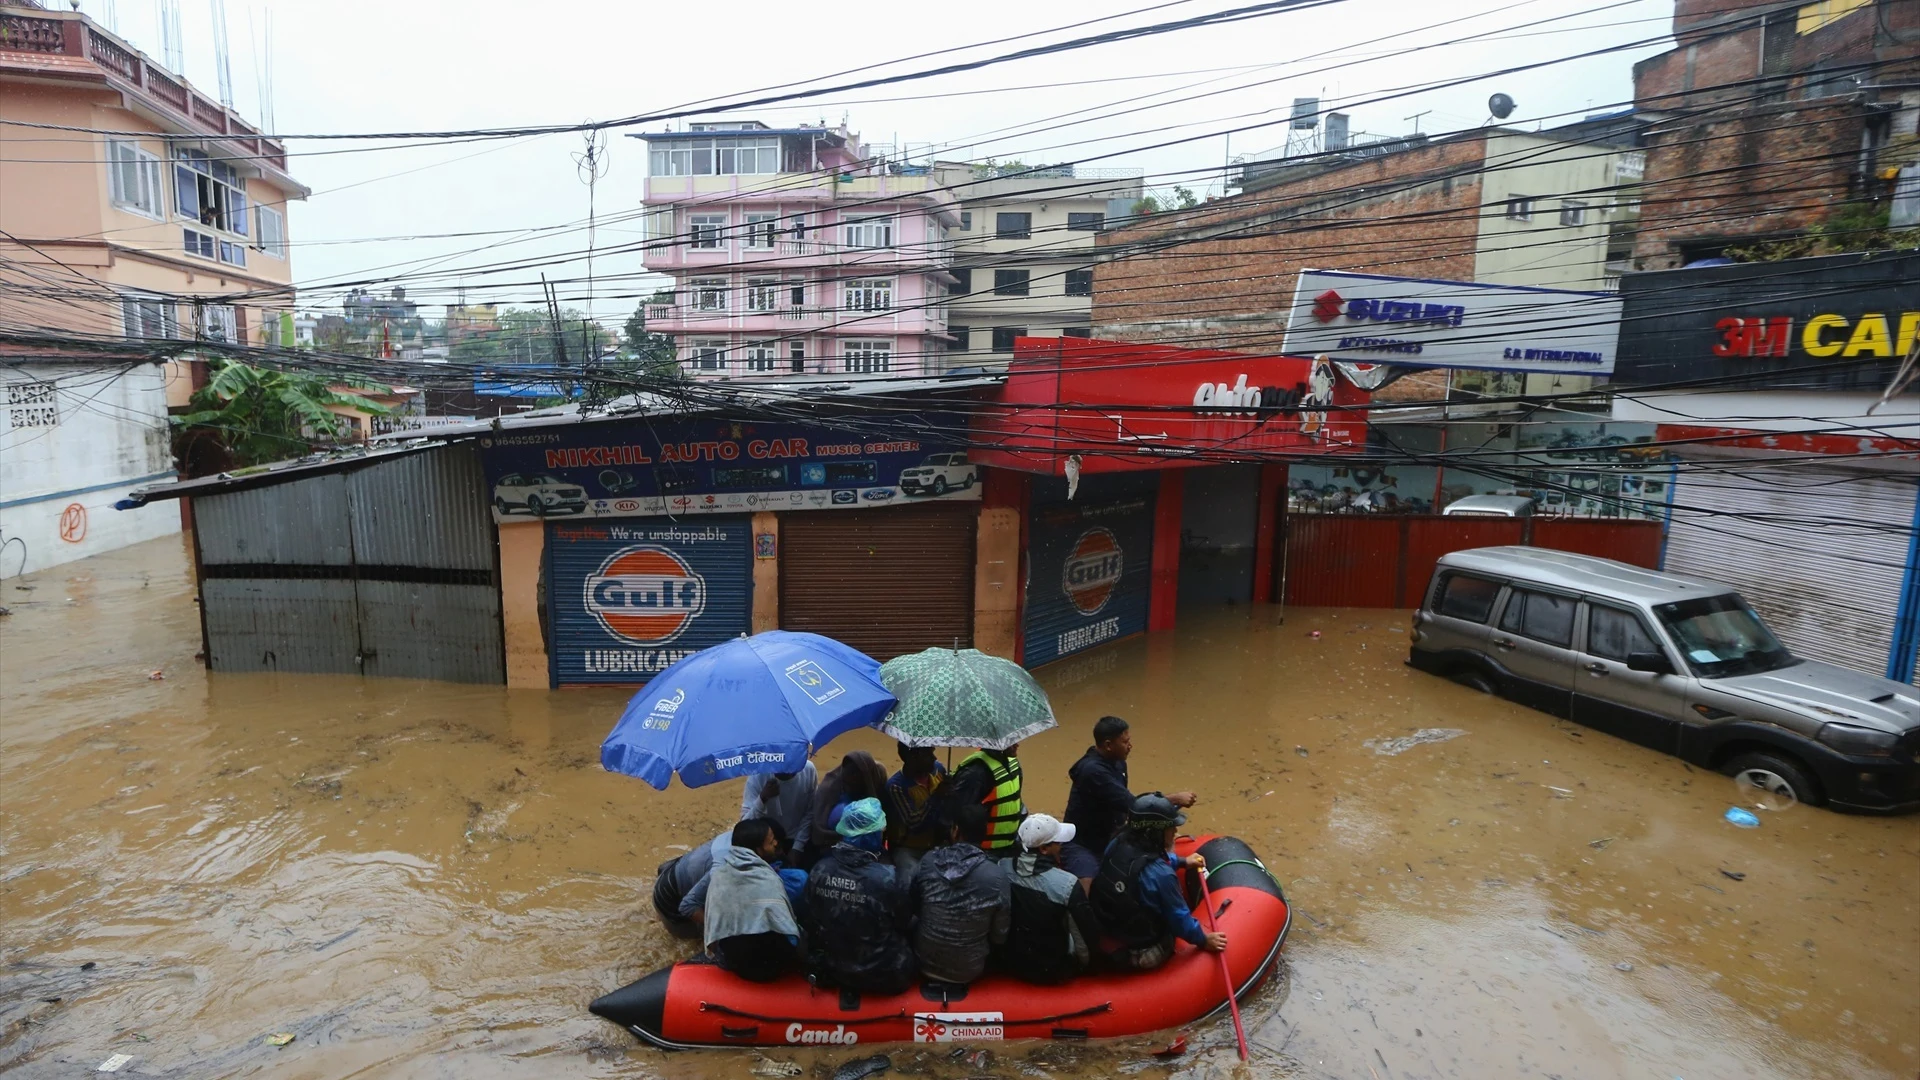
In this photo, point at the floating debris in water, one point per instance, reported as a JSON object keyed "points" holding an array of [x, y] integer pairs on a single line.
{"points": [[770, 1067], [856, 1070], [1392, 747]]}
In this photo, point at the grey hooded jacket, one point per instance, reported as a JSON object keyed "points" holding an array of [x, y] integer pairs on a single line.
{"points": [[962, 904]]}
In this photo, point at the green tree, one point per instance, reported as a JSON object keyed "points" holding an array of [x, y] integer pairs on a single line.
{"points": [[525, 336], [1855, 226], [1181, 198], [263, 415], [650, 354]]}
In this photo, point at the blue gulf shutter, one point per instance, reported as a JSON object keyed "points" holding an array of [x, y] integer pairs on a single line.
{"points": [[1089, 568]]}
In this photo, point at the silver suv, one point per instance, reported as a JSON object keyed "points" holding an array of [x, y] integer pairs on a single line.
{"points": [[1679, 665]]}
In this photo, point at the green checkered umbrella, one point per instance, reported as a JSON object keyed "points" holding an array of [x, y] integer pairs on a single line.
{"points": [[963, 697]]}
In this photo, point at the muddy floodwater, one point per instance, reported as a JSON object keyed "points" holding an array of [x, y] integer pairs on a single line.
{"points": [[418, 879]]}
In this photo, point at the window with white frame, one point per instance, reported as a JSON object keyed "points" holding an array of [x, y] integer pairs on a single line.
{"points": [[656, 225], [708, 354], [725, 156], [1520, 208], [133, 178], [148, 318], [760, 355], [763, 294], [199, 243], [1573, 212], [869, 232], [866, 357], [709, 293], [761, 229], [217, 322], [209, 191], [273, 231], [706, 232], [867, 294]]}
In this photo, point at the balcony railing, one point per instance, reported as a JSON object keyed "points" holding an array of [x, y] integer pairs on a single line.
{"points": [[60, 34]]}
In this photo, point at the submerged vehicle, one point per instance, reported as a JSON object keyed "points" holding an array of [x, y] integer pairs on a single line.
{"points": [[696, 1004]]}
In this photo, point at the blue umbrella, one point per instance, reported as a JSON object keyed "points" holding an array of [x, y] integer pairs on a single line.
{"points": [[752, 705]]}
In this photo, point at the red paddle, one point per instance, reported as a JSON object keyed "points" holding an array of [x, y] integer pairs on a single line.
{"points": [[1233, 1003]]}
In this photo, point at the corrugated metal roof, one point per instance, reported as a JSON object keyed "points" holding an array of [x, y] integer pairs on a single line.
{"points": [[280, 472]]}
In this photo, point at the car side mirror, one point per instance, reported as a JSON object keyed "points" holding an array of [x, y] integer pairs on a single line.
{"points": [[1653, 662]]}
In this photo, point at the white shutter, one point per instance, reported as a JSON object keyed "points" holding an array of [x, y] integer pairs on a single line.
{"points": [[1819, 553]]}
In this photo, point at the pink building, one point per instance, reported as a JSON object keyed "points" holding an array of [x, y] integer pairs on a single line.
{"points": [[796, 250]]}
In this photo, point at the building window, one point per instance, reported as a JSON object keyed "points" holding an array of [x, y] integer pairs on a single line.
{"points": [[1010, 282], [148, 318], [866, 357], [273, 231], [217, 322], [705, 231], [962, 338], [231, 252], [657, 225], [1003, 337], [760, 355], [867, 294], [1573, 213], [761, 229], [1077, 331], [133, 176], [708, 354], [869, 232], [966, 221], [716, 157], [797, 357], [763, 294], [1079, 283], [1012, 226], [709, 294], [209, 192], [33, 403], [201, 244], [1520, 208], [966, 281], [1089, 222], [796, 298]]}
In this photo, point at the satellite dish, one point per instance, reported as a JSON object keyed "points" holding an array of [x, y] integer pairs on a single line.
{"points": [[1501, 106]]}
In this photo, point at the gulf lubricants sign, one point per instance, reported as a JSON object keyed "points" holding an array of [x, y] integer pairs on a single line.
{"points": [[1088, 576], [626, 600]]}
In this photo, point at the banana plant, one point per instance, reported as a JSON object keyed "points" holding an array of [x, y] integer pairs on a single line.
{"points": [[264, 415]]}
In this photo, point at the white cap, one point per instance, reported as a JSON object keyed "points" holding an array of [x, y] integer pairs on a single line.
{"points": [[1039, 830]]}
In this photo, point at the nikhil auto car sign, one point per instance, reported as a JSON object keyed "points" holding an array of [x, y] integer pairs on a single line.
{"points": [[1416, 322], [681, 466], [1088, 574], [626, 600]]}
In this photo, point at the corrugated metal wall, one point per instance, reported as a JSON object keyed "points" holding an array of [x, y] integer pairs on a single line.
{"points": [[384, 570], [886, 582]]}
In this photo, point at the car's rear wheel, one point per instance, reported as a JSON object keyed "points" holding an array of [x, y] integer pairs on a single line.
{"points": [[1779, 776], [1473, 680], [500, 504]]}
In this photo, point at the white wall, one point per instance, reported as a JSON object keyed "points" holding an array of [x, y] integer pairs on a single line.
{"points": [[108, 435]]}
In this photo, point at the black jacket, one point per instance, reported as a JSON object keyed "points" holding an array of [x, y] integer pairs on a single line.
{"points": [[1055, 933], [1098, 804], [857, 922], [961, 903]]}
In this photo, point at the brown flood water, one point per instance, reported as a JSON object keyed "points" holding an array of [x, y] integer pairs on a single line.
{"points": [[428, 880]]}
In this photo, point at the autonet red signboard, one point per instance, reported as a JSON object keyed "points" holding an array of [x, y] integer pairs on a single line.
{"points": [[1124, 406]]}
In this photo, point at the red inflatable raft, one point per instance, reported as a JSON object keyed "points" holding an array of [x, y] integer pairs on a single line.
{"points": [[694, 1004]]}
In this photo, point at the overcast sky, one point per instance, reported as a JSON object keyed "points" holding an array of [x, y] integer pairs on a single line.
{"points": [[419, 65]]}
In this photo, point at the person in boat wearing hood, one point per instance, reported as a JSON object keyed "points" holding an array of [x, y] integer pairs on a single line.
{"points": [[856, 910], [749, 923], [1136, 895], [990, 779], [857, 777], [961, 903], [1098, 804], [913, 829], [1054, 932], [787, 798]]}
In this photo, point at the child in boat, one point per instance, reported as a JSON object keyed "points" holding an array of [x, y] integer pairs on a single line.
{"points": [[1136, 895]]}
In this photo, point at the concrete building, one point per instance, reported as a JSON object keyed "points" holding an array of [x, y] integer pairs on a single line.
{"points": [[1023, 252], [1773, 120], [796, 251], [112, 246]]}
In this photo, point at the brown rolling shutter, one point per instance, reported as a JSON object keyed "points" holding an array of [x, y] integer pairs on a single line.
{"points": [[886, 582]]}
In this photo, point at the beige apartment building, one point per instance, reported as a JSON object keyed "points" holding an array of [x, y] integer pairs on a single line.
{"points": [[137, 215]]}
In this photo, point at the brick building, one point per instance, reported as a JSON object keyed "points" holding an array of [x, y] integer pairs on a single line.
{"points": [[1768, 118]]}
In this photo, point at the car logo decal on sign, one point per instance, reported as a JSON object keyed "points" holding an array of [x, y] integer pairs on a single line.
{"points": [[1092, 570], [645, 594]]}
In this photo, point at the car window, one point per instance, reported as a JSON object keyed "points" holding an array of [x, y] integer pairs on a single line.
{"points": [[1617, 634], [1721, 636], [1463, 596], [1541, 616]]}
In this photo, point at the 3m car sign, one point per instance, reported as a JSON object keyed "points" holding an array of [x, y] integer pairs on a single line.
{"points": [[1416, 322], [1088, 576], [628, 599]]}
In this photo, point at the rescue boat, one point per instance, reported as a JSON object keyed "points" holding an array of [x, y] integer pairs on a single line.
{"points": [[695, 1004]]}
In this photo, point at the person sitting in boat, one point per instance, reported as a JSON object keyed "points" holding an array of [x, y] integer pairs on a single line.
{"points": [[749, 923], [693, 902], [1053, 931], [913, 829], [961, 902], [1099, 801], [1136, 895], [991, 778], [856, 909], [786, 798], [857, 777], [674, 891]]}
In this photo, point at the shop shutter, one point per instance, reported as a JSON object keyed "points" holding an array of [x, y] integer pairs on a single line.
{"points": [[1819, 553], [628, 599], [886, 582], [1089, 575]]}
